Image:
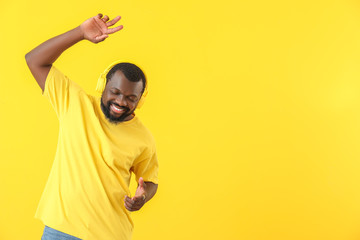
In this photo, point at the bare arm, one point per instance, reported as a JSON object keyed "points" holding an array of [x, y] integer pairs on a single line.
{"points": [[151, 189], [41, 58]]}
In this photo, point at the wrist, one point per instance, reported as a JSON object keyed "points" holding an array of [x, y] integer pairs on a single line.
{"points": [[79, 32]]}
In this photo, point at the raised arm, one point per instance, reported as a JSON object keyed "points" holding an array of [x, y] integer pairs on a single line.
{"points": [[41, 58]]}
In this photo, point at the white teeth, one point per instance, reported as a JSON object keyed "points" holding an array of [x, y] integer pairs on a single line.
{"points": [[117, 109]]}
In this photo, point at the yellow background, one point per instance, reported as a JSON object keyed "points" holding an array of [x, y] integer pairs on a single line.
{"points": [[255, 106]]}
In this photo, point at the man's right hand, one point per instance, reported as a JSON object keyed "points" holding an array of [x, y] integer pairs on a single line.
{"points": [[96, 29], [41, 58]]}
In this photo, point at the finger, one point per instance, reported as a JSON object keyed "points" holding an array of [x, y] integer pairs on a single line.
{"points": [[99, 15], [140, 198], [128, 205], [129, 201], [105, 18], [101, 24], [114, 30], [101, 38], [141, 182], [113, 21], [138, 202], [127, 198], [131, 207]]}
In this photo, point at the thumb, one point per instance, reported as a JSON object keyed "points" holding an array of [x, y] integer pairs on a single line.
{"points": [[141, 183], [101, 38]]}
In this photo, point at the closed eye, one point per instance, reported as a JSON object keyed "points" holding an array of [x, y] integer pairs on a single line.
{"points": [[132, 98]]}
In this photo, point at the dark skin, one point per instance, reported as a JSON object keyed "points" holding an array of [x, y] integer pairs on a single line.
{"points": [[123, 93], [119, 90]]}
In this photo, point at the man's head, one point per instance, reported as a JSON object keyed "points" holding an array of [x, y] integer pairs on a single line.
{"points": [[125, 84]]}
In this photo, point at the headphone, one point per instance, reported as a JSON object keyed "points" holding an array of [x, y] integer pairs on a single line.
{"points": [[102, 83]]}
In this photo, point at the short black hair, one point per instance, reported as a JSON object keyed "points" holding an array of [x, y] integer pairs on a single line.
{"points": [[132, 72]]}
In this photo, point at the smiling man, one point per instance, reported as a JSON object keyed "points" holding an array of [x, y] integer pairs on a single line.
{"points": [[117, 105], [101, 142]]}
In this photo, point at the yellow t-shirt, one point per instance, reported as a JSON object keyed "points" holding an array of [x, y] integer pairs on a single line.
{"points": [[90, 176]]}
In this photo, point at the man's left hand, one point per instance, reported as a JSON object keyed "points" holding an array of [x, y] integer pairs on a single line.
{"points": [[136, 202]]}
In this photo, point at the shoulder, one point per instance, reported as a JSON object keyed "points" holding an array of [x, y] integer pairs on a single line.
{"points": [[145, 133], [57, 79]]}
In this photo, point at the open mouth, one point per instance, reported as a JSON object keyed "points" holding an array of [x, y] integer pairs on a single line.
{"points": [[117, 109]]}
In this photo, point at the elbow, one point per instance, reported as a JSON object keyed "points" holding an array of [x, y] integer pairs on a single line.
{"points": [[28, 58], [155, 188], [31, 61]]}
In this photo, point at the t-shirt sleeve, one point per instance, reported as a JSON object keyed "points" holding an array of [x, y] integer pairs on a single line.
{"points": [[59, 90], [147, 166]]}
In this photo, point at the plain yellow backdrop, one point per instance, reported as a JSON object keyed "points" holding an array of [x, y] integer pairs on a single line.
{"points": [[254, 105]]}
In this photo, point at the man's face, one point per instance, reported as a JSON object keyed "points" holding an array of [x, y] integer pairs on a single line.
{"points": [[120, 98]]}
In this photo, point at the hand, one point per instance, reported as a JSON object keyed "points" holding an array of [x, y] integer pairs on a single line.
{"points": [[136, 202], [96, 29]]}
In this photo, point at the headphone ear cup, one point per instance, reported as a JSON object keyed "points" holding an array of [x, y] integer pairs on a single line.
{"points": [[141, 102], [142, 99], [101, 84]]}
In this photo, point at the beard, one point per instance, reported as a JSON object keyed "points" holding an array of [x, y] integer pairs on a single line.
{"points": [[111, 118]]}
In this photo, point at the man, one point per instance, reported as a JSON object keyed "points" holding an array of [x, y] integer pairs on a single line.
{"points": [[101, 142]]}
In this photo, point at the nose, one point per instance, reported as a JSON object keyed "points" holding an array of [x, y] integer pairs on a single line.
{"points": [[121, 100]]}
